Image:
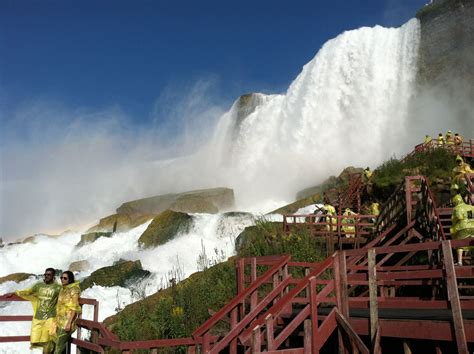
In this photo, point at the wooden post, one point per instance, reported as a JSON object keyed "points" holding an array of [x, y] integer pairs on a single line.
{"points": [[314, 316], [308, 337], [253, 277], [256, 340], [270, 336], [233, 323], [374, 317], [453, 297], [206, 347]]}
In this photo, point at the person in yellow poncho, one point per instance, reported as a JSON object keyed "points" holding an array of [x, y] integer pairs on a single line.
{"points": [[67, 310], [43, 297], [348, 223], [463, 223]]}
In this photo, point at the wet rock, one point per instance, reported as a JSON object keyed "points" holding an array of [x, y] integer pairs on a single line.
{"points": [[120, 274], [165, 227]]}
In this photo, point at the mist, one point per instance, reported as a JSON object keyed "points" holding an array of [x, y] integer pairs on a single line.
{"points": [[356, 103]]}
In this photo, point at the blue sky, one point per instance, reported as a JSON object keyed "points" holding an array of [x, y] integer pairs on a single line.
{"points": [[93, 93], [92, 55]]}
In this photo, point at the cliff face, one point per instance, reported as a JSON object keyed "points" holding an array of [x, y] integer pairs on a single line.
{"points": [[447, 42], [445, 79]]}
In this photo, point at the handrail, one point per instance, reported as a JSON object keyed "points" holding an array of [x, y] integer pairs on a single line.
{"points": [[279, 306], [239, 298]]}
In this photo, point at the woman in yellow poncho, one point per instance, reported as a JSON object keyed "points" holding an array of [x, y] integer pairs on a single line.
{"points": [[67, 310]]}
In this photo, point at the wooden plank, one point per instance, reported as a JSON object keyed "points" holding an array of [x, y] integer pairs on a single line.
{"points": [[453, 297], [342, 321], [327, 327], [374, 317]]}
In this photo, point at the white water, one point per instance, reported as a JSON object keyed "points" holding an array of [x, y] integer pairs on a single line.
{"points": [[347, 107], [213, 235]]}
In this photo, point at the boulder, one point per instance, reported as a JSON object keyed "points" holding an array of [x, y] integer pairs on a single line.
{"points": [[16, 277], [165, 227], [79, 266], [199, 201], [91, 237], [119, 223], [120, 274]]}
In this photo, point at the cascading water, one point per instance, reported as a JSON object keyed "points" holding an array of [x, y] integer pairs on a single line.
{"points": [[349, 106]]}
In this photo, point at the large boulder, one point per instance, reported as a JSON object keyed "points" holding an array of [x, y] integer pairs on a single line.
{"points": [[91, 237], [16, 277], [119, 222], [79, 266], [122, 274], [165, 227], [199, 201]]}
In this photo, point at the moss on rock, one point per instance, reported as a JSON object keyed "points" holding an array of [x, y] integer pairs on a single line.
{"points": [[119, 274], [165, 227]]}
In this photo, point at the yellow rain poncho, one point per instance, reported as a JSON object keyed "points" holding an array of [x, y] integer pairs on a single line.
{"points": [[43, 297], [67, 310], [348, 223], [462, 219]]}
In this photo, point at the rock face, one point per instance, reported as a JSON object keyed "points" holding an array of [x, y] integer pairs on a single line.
{"points": [[199, 201], [16, 277], [165, 227], [91, 237], [119, 222], [79, 266], [119, 274], [447, 41]]}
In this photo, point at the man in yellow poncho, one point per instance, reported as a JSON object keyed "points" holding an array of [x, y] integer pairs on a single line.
{"points": [[463, 223], [348, 223], [43, 296], [449, 138], [440, 139], [330, 219], [67, 310]]}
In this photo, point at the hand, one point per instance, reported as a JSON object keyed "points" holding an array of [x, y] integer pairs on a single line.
{"points": [[68, 328]]}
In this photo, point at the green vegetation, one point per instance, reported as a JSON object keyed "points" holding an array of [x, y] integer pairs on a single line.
{"points": [[165, 227], [268, 238], [436, 164], [178, 310]]}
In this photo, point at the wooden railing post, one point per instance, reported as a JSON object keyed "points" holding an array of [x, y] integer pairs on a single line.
{"points": [[256, 340], [314, 316], [308, 337], [253, 277], [269, 333], [453, 297], [374, 317]]}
